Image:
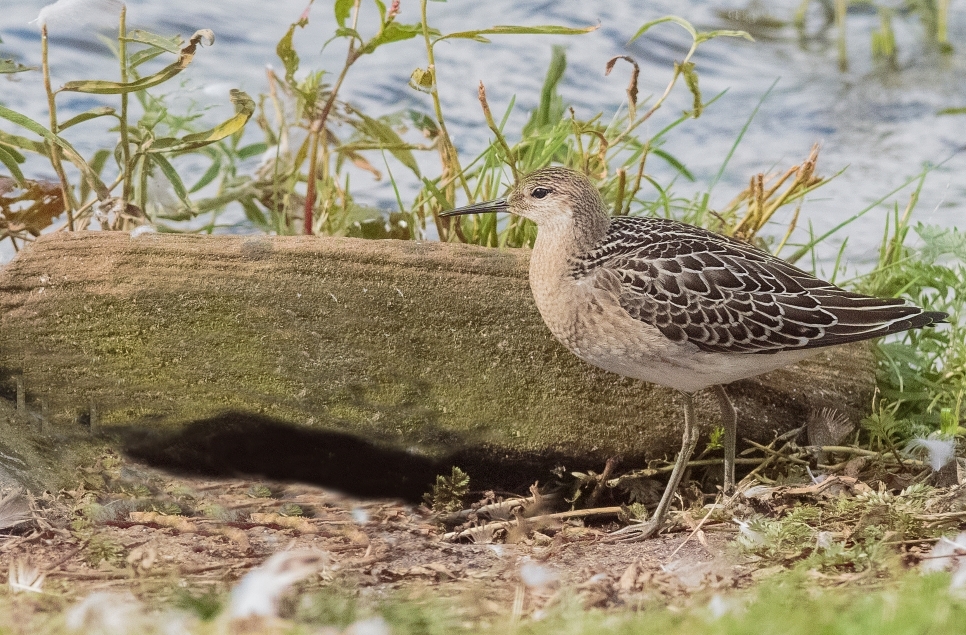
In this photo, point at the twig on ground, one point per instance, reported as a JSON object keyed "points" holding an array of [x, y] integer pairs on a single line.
{"points": [[608, 470], [453, 536]]}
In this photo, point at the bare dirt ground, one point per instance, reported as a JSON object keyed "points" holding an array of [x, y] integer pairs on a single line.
{"points": [[134, 528]]}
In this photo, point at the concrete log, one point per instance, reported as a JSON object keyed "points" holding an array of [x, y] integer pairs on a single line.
{"points": [[201, 352]]}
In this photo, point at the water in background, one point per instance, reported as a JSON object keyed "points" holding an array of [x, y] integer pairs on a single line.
{"points": [[881, 124]]}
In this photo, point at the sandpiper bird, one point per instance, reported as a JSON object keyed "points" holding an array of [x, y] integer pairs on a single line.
{"points": [[678, 305]]}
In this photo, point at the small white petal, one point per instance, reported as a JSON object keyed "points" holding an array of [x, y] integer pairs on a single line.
{"points": [[140, 230], [718, 607], [824, 540], [107, 612], [958, 583], [750, 536], [497, 549], [372, 626], [946, 555]]}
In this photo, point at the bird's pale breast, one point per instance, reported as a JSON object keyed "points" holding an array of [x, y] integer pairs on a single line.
{"points": [[590, 322]]}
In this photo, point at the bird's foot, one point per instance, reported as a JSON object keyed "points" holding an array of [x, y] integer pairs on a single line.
{"points": [[638, 532]]}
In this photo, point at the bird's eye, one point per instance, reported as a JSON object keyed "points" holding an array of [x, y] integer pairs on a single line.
{"points": [[539, 192]]}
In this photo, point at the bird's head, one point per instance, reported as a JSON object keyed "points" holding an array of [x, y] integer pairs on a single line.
{"points": [[552, 197]]}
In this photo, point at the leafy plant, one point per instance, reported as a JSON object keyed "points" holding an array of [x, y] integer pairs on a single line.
{"points": [[843, 533], [102, 549], [587, 145], [448, 492], [144, 150], [303, 186]]}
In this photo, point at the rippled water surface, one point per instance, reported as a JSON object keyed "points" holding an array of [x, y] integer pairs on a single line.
{"points": [[879, 123]]}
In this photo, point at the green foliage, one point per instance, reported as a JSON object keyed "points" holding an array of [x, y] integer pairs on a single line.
{"points": [[922, 373], [884, 430], [448, 492], [791, 604], [166, 508], [103, 549], [259, 491], [844, 533], [8, 66], [206, 606], [715, 438], [329, 607], [291, 509], [424, 618], [144, 151]]}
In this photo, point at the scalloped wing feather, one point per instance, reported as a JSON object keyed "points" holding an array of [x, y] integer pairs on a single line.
{"points": [[726, 296]]}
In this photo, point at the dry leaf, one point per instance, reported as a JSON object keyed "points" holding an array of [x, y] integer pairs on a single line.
{"points": [[237, 536], [179, 523], [301, 525]]}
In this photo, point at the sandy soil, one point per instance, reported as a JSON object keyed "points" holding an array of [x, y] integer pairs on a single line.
{"points": [[106, 537]]}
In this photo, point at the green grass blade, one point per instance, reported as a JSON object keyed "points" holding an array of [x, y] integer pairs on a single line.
{"points": [[684, 24], [741, 135], [479, 34], [93, 113], [386, 138], [209, 175], [69, 152], [674, 163], [172, 175], [821, 237], [167, 44], [104, 87], [10, 158]]}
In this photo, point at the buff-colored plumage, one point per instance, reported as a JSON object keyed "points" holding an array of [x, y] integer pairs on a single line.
{"points": [[677, 305]]}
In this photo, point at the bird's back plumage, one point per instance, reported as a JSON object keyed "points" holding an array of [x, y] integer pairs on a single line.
{"points": [[726, 296]]}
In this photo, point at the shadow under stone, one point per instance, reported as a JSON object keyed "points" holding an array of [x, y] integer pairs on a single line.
{"points": [[239, 443]]}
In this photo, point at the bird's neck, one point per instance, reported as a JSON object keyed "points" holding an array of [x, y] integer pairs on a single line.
{"points": [[554, 252], [558, 242]]}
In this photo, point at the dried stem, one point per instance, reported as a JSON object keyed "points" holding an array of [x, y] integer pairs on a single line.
{"points": [[318, 125], [511, 158], [447, 151], [125, 147], [54, 148]]}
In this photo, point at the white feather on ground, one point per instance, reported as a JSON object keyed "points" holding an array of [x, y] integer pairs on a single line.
{"points": [[25, 576], [107, 613], [949, 555], [257, 594], [939, 450]]}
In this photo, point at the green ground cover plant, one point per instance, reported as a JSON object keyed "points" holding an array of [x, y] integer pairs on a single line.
{"points": [[790, 603]]}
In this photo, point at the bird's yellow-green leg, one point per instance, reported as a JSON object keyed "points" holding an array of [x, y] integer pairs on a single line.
{"points": [[729, 420], [655, 523]]}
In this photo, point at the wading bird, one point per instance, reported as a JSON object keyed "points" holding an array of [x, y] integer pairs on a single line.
{"points": [[677, 305]]}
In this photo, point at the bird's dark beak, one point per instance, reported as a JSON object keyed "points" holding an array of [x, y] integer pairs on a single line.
{"points": [[499, 205]]}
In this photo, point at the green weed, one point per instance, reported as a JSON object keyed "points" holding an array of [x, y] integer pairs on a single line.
{"points": [[144, 150], [448, 492], [102, 549]]}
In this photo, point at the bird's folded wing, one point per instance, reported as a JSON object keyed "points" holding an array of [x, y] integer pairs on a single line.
{"points": [[726, 296]]}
